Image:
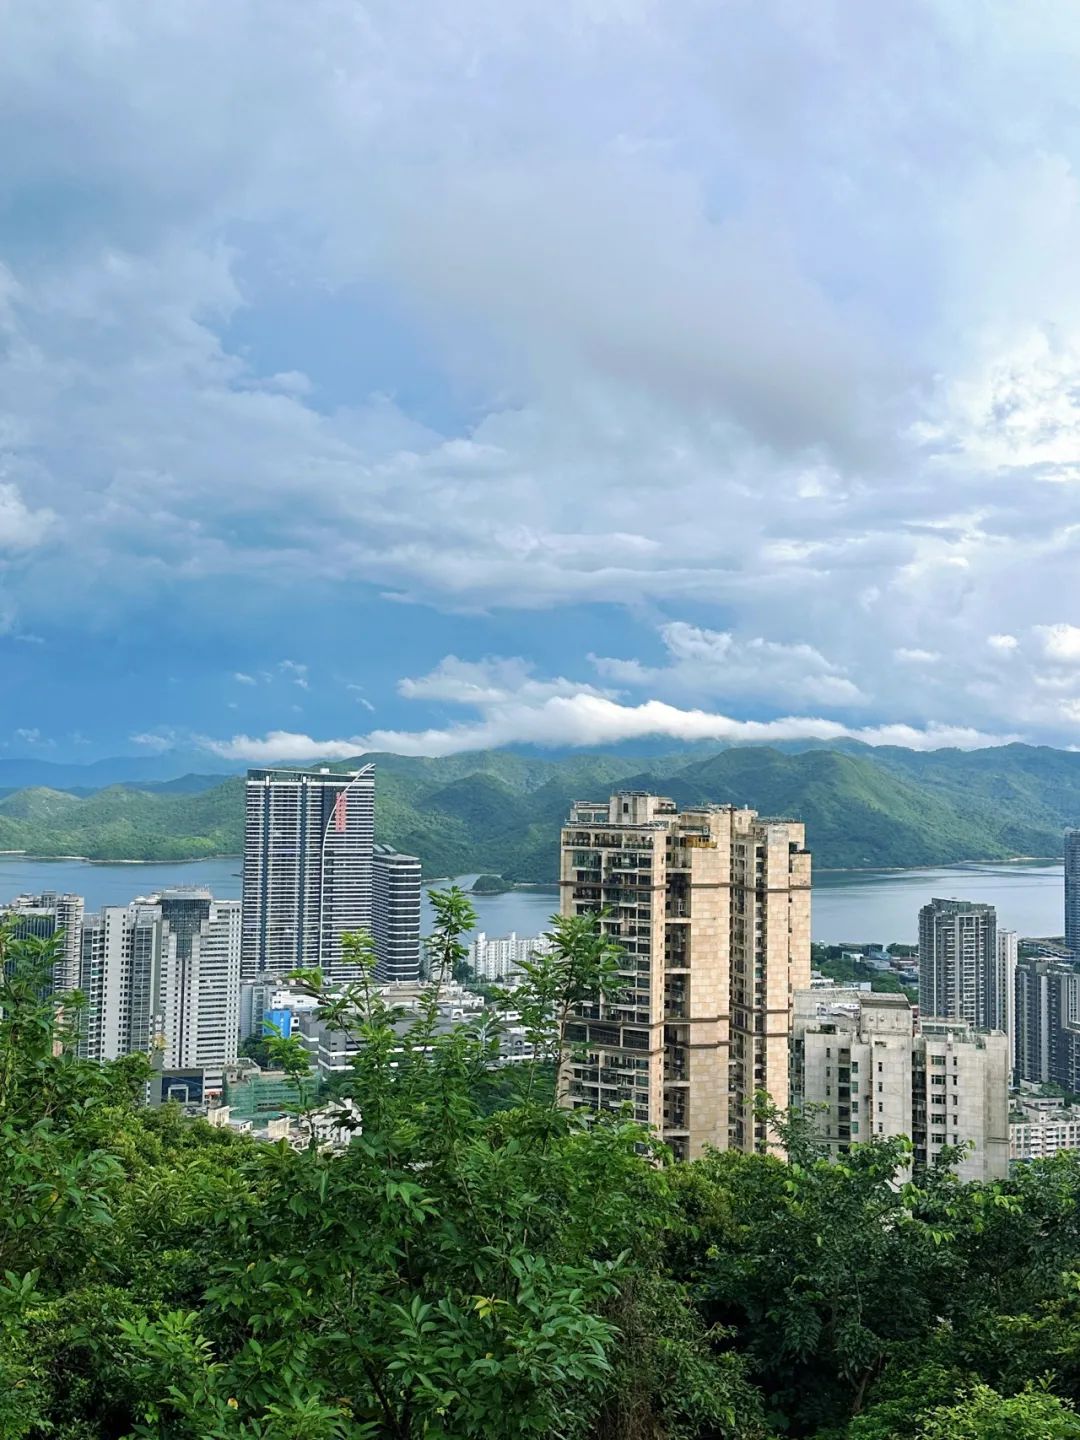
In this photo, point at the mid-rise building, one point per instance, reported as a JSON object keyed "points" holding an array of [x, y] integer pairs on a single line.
{"points": [[860, 1070], [46, 915], [162, 976], [1072, 891], [395, 922], [1046, 1127], [958, 964], [711, 908], [308, 841], [501, 957]]}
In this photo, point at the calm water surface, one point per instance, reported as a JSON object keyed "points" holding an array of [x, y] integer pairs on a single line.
{"points": [[856, 905]]}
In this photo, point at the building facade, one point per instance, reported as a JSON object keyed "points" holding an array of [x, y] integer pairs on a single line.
{"points": [[862, 1071], [198, 994], [1072, 891], [308, 842], [46, 915], [1008, 957], [500, 957], [1046, 1045], [162, 976], [711, 909], [958, 964], [395, 921]]}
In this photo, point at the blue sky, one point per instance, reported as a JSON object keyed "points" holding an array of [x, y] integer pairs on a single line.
{"points": [[382, 376]]}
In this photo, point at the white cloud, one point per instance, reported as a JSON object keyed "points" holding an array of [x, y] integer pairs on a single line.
{"points": [[20, 527], [513, 707], [242, 679], [917, 657], [1060, 642], [157, 741], [803, 369], [703, 662]]}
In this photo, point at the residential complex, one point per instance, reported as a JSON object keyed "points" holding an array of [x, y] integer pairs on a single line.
{"points": [[308, 842], [959, 976], [501, 957], [46, 915], [395, 920], [861, 1070], [163, 975], [712, 910], [1042, 1127]]}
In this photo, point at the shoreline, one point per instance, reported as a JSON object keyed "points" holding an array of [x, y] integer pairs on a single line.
{"points": [[91, 860]]}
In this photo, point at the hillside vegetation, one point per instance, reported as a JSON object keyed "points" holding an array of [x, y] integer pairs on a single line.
{"points": [[499, 812]]}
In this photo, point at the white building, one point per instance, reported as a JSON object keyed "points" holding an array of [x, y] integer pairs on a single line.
{"points": [[162, 975], [1008, 950], [501, 957], [1046, 1128], [308, 842], [861, 1070]]}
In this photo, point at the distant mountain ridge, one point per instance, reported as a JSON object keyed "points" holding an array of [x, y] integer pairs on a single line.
{"points": [[499, 811]]}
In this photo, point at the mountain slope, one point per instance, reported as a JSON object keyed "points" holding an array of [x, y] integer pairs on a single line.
{"points": [[500, 812]]}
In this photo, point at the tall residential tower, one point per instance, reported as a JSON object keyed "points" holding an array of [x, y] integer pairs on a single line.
{"points": [[308, 840], [395, 919], [959, 973], [712, 910], [1072, 891]]}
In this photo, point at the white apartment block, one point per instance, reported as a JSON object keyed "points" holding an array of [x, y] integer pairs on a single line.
{"points": [[711, 908], [861, 1070], [1043, 1133], [162, 976], [501, 957]]}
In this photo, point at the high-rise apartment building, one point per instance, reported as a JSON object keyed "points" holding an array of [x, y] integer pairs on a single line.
{"points": [[395, 918], [501, 957], [1046, 1045], [119, 976], [1008, 954], [162, 976], [198, 1009], [958, 964], [863, 1072], [308, 840], [1072, 891], [712, 910], [46, 915]]}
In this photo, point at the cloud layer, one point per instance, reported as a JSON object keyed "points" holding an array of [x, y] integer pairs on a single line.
{"points": [[762, 321]]}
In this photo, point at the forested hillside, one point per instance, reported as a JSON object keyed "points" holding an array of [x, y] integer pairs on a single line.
{"points": [[500, 812]]}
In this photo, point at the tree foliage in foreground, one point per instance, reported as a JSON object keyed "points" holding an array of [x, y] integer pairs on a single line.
{"points": [[482, 1262]]}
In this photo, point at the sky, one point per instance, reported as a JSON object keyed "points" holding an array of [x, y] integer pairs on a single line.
{"points": [[428, 377]]}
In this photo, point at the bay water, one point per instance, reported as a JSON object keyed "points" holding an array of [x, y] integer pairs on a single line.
{"points": [[848, 905]]}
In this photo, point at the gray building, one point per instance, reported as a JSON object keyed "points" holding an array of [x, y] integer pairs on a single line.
{"points": [[864, 1072], [308, 840], [1047, 1039], [46, 915], [959, 973], [1072, 891], [395, 920]]}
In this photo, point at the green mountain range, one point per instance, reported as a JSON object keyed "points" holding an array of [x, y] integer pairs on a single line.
{"points": [[499, 812]]}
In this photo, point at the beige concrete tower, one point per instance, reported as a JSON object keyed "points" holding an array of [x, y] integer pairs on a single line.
{"points": [[712, 909]]}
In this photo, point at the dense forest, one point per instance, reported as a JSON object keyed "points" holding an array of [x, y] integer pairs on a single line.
{"points": [[469, 1269], [500, 812]]}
